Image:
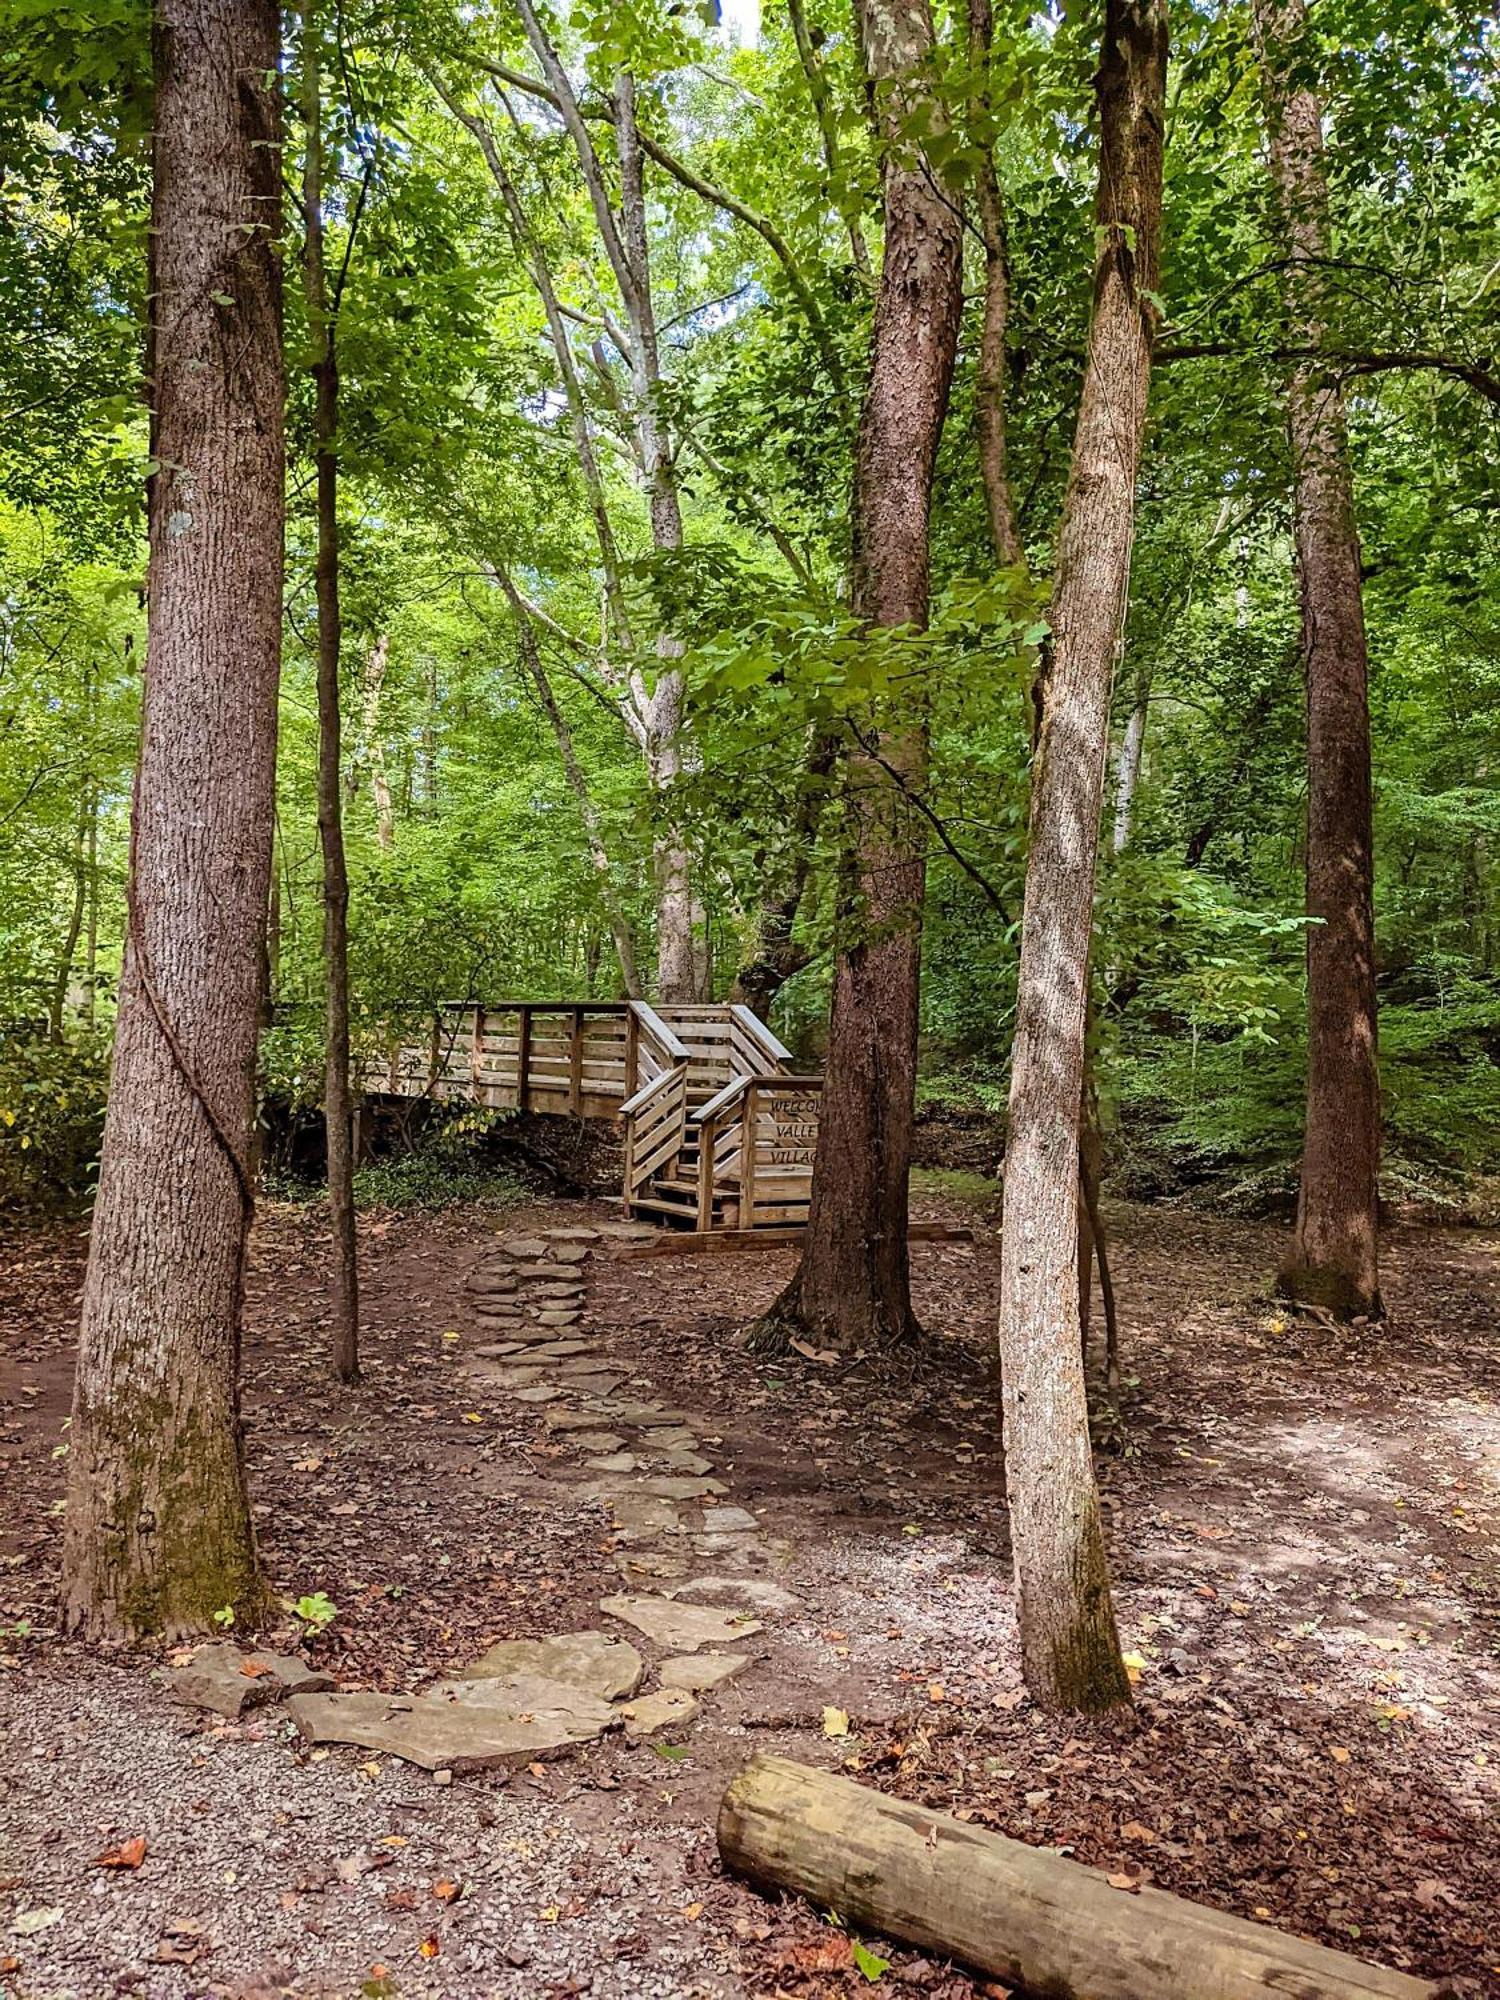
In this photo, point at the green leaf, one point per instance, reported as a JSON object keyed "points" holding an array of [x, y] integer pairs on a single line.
{"points": [[870, 1963]]}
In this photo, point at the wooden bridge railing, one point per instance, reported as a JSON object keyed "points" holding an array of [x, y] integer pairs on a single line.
{"points": [[719, 1131]]}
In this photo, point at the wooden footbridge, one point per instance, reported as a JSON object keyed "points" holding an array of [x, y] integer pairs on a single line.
{"points": [[719, 1128]]}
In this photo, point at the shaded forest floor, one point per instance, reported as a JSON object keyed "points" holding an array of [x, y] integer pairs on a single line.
{"points": [[1303, 1527]]}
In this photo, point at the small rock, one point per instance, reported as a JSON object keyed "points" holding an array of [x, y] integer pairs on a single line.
{"points": [[669, 1708], [684, 1628], [442, 1777], [706, 1670], [215, 1679]]}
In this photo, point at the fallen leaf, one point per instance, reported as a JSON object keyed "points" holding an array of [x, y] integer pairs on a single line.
{"points": [[870, 1963], [429, 1947], [447, 1892], [253, 1669], [693, 1912], [835, 1722], [31, 1921], [1126, 1882], [129, 1854], [1339, 1754], [1133, 1830]]}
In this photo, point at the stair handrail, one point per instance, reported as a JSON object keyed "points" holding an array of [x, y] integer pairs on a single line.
{"points": [[758, 1032], [657, 1028]]}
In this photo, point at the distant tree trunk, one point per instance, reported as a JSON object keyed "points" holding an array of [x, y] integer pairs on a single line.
{"points": [[1128, 765], [380, 784], [57, 1000], [338, 1109], [853, 1284], [1070, 1650], [989, 384], [158, 1533], [1333, 1260], [91, 932]]}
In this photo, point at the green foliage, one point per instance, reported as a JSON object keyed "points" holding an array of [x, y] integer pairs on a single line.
{"points": [[51, 1116]]}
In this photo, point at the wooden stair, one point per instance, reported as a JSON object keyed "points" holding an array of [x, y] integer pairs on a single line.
{"points": [[719, 1129]]}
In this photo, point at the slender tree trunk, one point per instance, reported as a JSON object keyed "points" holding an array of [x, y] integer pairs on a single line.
{"points": [[1333, 1260], [338, 1112], [1128, 766], [1071, 1654], [158, 1531], [578, 784], [828, 128], [989, 384], [853, 1284], [91, 931], [57, 1000], [380, 783]]}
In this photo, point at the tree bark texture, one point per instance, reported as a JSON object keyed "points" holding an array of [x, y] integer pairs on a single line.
{"points": [[158, 1531], [853, 1284], [1333, 1260], [1071, 1654], [338, 1106]]}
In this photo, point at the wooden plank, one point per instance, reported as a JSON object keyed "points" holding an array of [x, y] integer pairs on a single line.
{"points": [[1022, 1915], [708, 1132], [747, 1152]]}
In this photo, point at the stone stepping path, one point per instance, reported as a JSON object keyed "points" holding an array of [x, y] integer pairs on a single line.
{"points": [[526, 1699]]}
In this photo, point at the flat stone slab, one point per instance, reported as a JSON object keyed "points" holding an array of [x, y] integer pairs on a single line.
{"points": [[498, 1350], [734, 1548], [538, 1274], [601, 1666], [590, 1382], [700, 1672], [642, 1566], [449, 1731], [668, 1708], [496, 1375], [561, 1350], [564, 1250], [681, 1628], [683, 1461], [643, 1515], [616, 1461], [642, 1416], [558, 1316], [544, 1392], [523, 1246], [755, 1593], [600, 1441], [672, 1486], [575, 1233], [670, 1438], [216, 1678], [572, 1420], [728, 1520]]}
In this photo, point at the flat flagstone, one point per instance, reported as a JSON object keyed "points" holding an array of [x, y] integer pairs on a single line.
{"points": [[509, 1723], [543, 1392], [601, 1666], [610, 1441], [673, 1437], [497, 1350], [728, 1521], [668, 1708], [702, 1671], [546, 1273], [735, 1548], [642, 1415], [216, 1678], [756, 1593], [587, 1380], [683, 1461], [557, 1317], [638, 1566], [572, 1420], [643, 1515], [523, 1246], [575, 1233], [496, 1375], [615, 1461], [672, 1486], [562, 1350], [684, 1628], [564, 1251]]}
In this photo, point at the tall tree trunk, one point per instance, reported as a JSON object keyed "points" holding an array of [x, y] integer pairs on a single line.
{"points": [[338, 1110], [989, 383], [853, 1284], [1071, 1654], [1333, 1260], [158, 1524], [380, 783], [91, 929]]}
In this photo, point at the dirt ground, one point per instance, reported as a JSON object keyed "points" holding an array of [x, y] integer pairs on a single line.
{"points": [[1303, 1531]]}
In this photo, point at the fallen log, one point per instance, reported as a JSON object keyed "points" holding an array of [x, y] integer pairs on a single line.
{"points": [[1019, 1914]]}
